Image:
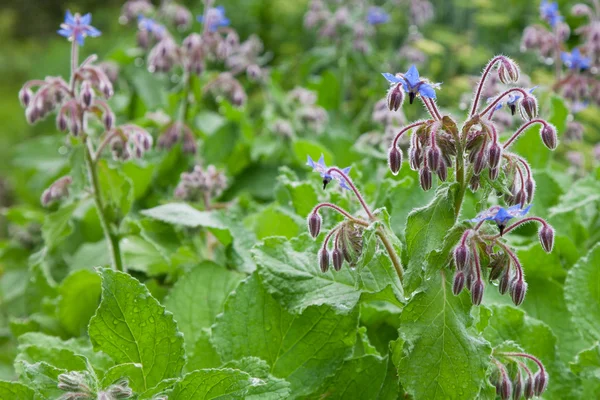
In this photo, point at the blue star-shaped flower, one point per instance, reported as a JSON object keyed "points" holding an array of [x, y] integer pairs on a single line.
{"points": [[215, 18], [549, 12], [512, 101], [321, 168], [377, 16], [501, 215], [413, 84], [77, 27], [574, 60], [150, 25]]}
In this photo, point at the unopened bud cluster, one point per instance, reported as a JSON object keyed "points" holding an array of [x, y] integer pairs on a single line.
{"points": [[129, 141], [519, 381], [347, 245], [201, 184], [178, 132], [57, 191], [299, 113]]}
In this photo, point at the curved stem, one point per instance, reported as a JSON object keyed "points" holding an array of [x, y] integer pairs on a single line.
{"points": [[525, 355], [341, 211], [493, 104], [392, 253], [435, 109], [521, 129], [354, 189], [518, 267], [404, 130], [482, 84], [331, 232], [429, 109], [518, 223], [476, 258]]}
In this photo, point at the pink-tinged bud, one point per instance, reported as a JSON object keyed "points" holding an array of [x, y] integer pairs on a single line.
{"points": [[433, 158], [530, 189], [324, 260], [395, 97], [477, 292], [563, 31], [505, 388], [494, 155], [517, 386], [25, 96], [414, 158], [528, 391], [395, 159], [461, 256], [549, 136], [479, 162], [508, 71], [540, 382], [314, 224], [425, 178], [521, 197], [474, 183], [459, 283], [493, 173], [546, 235], [61, 122], [529, 108], [108, 120], [504, 283], [442, 172], [518, 288], [580, 10], [338, 259], [87, 94], [470, 277]]}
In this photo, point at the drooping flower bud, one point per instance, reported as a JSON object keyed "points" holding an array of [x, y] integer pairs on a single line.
{"points": [[458, 283], [314, 224], [528, 108], [517, 386], [521, 197], [61, 122], [546, 235], [494, 155], [505, 388], [395, 97], [508, 71], [461, 256], [395, 159], [433, 158], [425, 178], [479, 162], [474, 183], [414, 158], [528, 390], [25, 96], [442, 171], [518, 288], [87, 94], [324, 259], [57, 191], [338, 259], [493, 173], [549, 136], [477, 292], [540, 382], [504, 282], [108, 119], [530, 189]]}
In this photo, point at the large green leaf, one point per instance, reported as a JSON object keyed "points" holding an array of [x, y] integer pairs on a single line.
{"points": [[587, 367], [131, 326], [299, 348], [79, 297], [15, 390], [57, 226], [437, 356]]}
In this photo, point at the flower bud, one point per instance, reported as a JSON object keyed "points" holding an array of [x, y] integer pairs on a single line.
{"points": [[395, 97], [474, 183], [414, 158], [529, 108], [61, 122], [324, 259], [459, 283], [442, 171], [529, 189], [25, 96], [518, 288], [493, 173], [461, 256], [498, 265], [540, 382], [508, 71], [549, 136], [494, 155], [425, 178], [528, 391], [477, 292], [108, 120], [505, 388], [504, 282], [314, 224], [433, 158], [479, 162], [87, 94], [517, 386], [395, 159], [546, 235], [470, 276], [338, 259], [580, 10], [521, 197]]}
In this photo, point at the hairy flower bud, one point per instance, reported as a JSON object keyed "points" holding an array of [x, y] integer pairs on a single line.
{"points": [[504, 282], [546, 235], [57, 191], [508, 71], [479, 162], [530, 189], [494, 155], [458, 283], [425, 178], [61, 122], [414, 158], [108, 119], [324, 260], [505, 388], [549, 137], [521, 197], [528, 108], [442, 171], [433, 158], [540, 382], [474, 183], [87, 94], [477, 292], [25, 96], [314, 224], [395, 159], [395, 97], [493, 173], [461, 256], [517, 386], [528, 391], [338, 259], [518, 288]]}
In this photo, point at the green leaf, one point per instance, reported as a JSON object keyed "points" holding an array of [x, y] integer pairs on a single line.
{"points": [[229, 384], [43, 378], [291, 273], [274, 221], [403, 194], [580, 194], [60, 358], [440, 358], [79, 298], [300, 195], [57, 226], [132, 371], [304, 148], [202, 354], [299, 348], [117, 190], [15, 390], [142, 255], [198, 296], [558, 113], [131, 326], [587, 367], [582, 292]]}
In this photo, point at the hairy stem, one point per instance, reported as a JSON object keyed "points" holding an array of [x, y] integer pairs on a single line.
{"points": [[355, 190], [392, 253], [482, 84], [521, 129], [341, 211]]}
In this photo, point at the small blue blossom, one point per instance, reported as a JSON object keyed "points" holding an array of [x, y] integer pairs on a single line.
{"points": [[549, 12], [215, 18], [512, 101], [77, 27], [575, 60], [501, 215], [321, 168], [413, 84], [377, 16], [150, 25]]}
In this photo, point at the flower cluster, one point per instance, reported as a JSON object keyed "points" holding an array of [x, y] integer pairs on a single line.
{"points": [[176, 132], [201, 184], [299, 113], [80, 385], [504, 265], [56, 191], [520, 381]]}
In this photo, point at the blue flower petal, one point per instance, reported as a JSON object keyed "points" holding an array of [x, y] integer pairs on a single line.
{"points": [[86, 19], [392, 78], [69, 18], [310, 162], [64, 32], [426, 90], [412, 76], [92, 32]]}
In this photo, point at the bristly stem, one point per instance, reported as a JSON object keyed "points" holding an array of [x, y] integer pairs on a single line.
{"points": [[493, 104], [528, 356], [482, 84], [404, 130], [392, 253], [354, 189], [518, 267], [521, 129], [518, 223], [341, 211]]}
